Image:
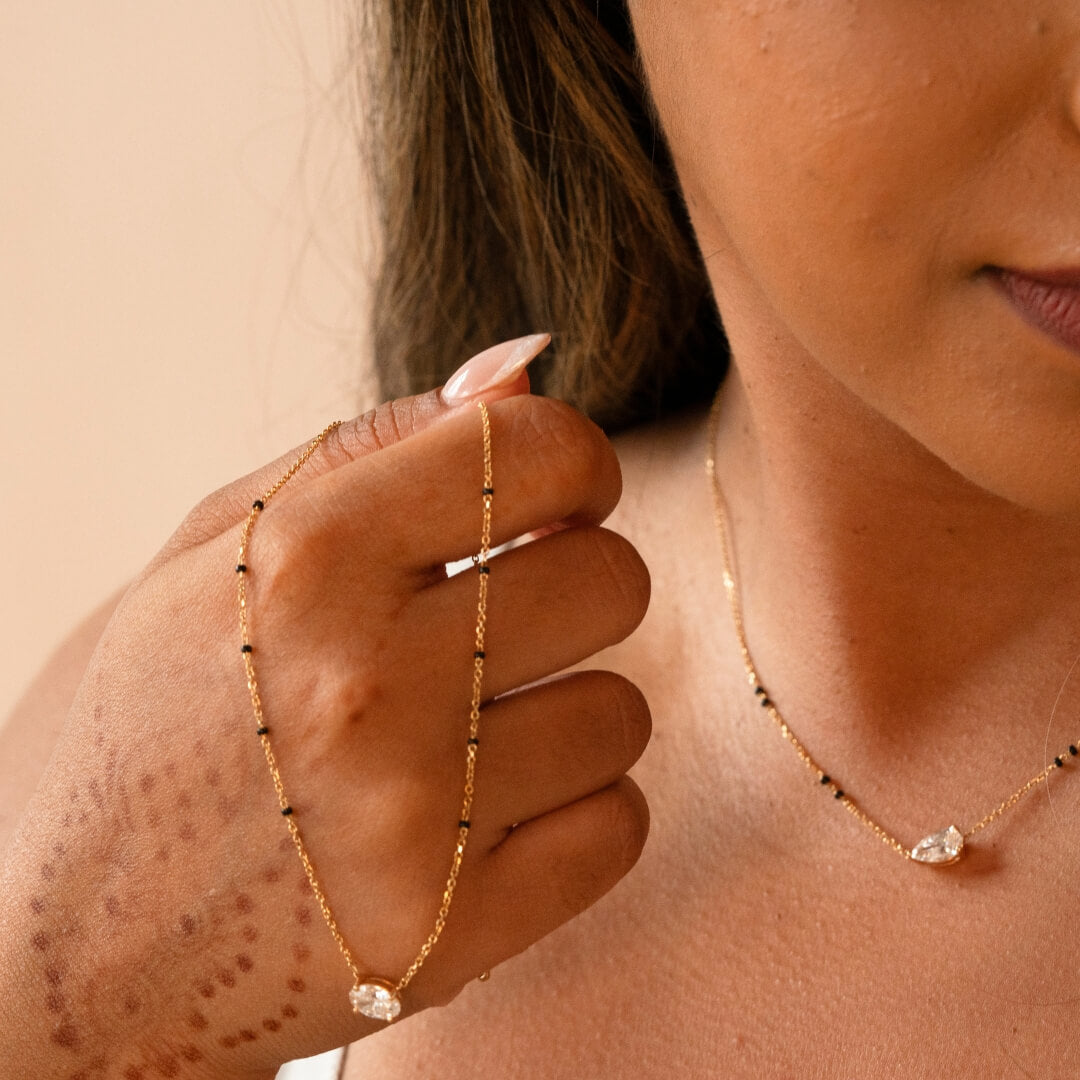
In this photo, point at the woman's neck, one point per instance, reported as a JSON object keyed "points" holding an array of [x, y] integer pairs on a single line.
{"points": [[887, 598]]}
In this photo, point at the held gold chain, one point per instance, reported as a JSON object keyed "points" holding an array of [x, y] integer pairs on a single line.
{"points": [[941, 848], [373, 996]]}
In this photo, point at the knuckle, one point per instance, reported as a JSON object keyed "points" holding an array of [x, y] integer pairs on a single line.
{"points": [[297, 561], [208, 517], [273, 550], [392, 422], [354, 439], [356, 694], [301, 541], [285, 552], [388, 423]]}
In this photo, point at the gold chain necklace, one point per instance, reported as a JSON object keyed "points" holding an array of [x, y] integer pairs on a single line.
{"points": [[372, 995], [939, 848]]}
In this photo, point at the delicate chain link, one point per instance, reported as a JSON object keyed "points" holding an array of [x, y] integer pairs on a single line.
{"points": [[256, 702], [824, 779], [480, 561]]}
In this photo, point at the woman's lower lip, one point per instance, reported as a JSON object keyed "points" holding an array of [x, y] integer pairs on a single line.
{"points": [[1053, 307]]}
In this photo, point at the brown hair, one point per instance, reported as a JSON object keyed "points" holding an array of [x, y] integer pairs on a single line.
{"points": [[522, 184]]}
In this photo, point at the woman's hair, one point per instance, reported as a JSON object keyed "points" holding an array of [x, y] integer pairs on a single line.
{"points": [[522, 184]]}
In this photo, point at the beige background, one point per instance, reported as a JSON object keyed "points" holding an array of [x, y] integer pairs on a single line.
{"points": [[179, 279]]}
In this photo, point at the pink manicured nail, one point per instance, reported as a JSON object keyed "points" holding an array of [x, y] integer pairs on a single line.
{"points": [[494, 367]]}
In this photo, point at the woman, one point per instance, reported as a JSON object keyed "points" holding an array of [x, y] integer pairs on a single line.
{"points": [[883, 199]]}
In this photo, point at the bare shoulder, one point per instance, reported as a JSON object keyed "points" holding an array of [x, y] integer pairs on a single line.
{"points": [[29, 733]]}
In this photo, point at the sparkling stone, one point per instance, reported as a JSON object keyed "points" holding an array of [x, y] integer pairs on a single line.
{"points": [[376, 1000], [941, 848]]}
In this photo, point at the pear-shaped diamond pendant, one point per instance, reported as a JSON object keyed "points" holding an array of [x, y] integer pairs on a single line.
{"points": [[376, 999], [941, 848]]}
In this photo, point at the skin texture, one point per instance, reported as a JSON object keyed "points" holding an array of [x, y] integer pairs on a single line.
{"points": [[851, 168], [899, 453]]}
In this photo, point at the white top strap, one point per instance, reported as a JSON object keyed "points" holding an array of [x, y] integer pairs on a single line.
{"points": [[321, 1067]]}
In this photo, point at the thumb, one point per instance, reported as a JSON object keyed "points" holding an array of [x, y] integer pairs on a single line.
{"points": [[495, 373]]}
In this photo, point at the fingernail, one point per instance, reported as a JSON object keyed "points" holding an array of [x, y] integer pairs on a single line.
{"points": [[494, 367]]}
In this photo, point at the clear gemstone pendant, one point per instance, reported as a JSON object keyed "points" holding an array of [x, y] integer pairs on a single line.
{"points": [[376, 999], [941, 848]]}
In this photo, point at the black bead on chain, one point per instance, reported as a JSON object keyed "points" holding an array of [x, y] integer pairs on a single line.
{"points": [[1058, 762], [765, 702], [1073, 750], [464, 824]]}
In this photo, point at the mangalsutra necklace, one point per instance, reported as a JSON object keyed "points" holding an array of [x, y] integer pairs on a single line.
{"points": [[940, 848], [374, 996]]}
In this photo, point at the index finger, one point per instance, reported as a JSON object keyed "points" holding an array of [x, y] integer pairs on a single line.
{"points": [[549, 464], [495, 373]]}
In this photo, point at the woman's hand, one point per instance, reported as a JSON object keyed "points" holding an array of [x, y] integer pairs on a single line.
{"points": [[157, 921]]}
